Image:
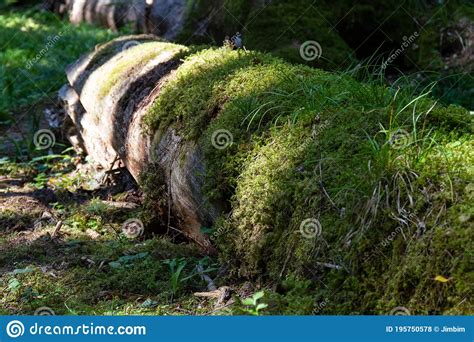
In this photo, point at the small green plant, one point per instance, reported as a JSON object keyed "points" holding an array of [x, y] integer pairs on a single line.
{"points": [[41, 181], [97, 207], [176, 267], [14, 285], [58, 207], [253, 305]]}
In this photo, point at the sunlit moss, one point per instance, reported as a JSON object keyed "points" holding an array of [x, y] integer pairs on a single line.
{"points": [[133, 58]]}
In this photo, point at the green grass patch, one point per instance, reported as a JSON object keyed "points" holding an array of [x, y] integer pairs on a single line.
{"points": [[35, 49]]}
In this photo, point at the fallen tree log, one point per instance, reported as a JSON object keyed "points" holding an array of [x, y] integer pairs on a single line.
{"points": [[293, 168], [210, 22], [164, 17], [109, 13]]}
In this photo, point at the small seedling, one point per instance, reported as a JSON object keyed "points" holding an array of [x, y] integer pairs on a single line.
{"points": [[253, 306], [176, 267]]}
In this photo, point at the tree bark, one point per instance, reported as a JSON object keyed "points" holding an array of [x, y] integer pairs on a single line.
{"points": [[163, 17], [110, 125]]}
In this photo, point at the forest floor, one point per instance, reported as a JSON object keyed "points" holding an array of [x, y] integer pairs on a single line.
{"points": [[89, 266]]}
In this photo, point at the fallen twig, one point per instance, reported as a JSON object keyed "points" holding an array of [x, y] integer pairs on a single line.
{"points": [[57, 229]]}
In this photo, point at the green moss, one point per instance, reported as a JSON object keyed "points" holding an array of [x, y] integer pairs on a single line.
{"points": [[187, 100], [12, 219], [153, 212], [293, 297], [308, 144]]}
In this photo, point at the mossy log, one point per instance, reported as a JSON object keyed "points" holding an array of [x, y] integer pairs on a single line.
{"points": [[110, 13], [361, 185], [280, 27]]}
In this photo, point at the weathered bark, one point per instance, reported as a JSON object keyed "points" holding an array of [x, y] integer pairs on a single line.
{"points": [[109, 13], [163, 17], [56, 6], [109, 123]]}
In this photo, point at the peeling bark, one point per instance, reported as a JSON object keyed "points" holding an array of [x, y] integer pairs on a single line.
{"points": [[110, 126]]}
